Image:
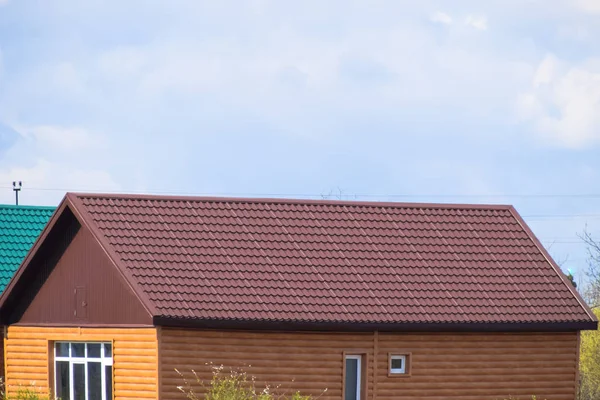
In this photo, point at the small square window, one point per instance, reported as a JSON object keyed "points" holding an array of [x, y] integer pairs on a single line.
{"points": [[399, 364]]}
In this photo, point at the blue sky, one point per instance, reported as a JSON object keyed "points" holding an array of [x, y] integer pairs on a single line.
{"points": [[468, 101]]}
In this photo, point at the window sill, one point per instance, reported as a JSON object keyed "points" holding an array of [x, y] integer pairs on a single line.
{"points": [[390, 375]]}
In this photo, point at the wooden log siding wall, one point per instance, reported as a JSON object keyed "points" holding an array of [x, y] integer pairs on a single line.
{"points": [[29, 356], [444, 366]]}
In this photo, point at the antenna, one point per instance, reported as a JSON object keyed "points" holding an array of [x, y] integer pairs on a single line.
{"points": [[17, 189]]}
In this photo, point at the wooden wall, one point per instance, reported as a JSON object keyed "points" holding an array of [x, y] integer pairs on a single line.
{"points": [[484, 366], [2, 353], [28, 354], [444, 366]]}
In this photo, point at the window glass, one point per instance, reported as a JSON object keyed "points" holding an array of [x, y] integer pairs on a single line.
{"points": [[62, 349], [77, 349], [79, 382], [107, 350], [352, 378], [108, 386], [93, 350], [62, 380], [94, 380], [397, 363]]}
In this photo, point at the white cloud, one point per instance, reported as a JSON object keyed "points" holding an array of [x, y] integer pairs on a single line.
{"points": [[576, 32], [591, 6], [56, 138], [564, 102], [441, 18], [51, 159], [177, 76], [546, 71], [477, 21]]}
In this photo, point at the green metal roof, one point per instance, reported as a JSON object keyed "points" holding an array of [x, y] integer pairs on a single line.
{"points": [[19, 228]]}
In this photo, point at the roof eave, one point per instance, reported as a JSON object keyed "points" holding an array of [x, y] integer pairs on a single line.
{"points": [[269, 325]]}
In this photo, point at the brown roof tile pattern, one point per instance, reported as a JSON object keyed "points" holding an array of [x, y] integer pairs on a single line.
{"points": [[318, 261]]}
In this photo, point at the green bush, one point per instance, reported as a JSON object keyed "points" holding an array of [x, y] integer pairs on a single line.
{"points": [[235, 385], [27, 394], [24, 393], [589, 364]]}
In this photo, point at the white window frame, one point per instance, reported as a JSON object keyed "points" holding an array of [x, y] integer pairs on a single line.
{"points": [[104, 361], [398, 371], [358, 372]]}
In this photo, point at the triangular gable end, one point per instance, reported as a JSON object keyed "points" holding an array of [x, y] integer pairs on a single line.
{"points": [[68, 279], [555, 267]]}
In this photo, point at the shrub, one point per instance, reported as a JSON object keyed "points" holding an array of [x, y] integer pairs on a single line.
{"points": [[236, 385], [589, 364], [24, 393], [28, 394]]}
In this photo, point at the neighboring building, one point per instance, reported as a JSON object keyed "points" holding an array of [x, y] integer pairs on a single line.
{"points": [[366, 300], [19, 228]]}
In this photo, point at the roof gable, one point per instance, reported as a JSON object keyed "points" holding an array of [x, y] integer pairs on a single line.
{"points": [[83, 273], [20, 226], [52, 273], [325, 262]]}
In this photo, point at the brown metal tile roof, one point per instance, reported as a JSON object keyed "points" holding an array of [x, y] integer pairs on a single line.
{"points": [[331, 262]]}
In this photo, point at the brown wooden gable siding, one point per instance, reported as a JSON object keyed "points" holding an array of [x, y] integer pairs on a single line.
{"points": [[81, 288], [486, 366]]}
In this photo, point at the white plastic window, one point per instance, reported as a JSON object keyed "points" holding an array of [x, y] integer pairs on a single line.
{"points": [[398, 364], [83, 371], [353, 377]]}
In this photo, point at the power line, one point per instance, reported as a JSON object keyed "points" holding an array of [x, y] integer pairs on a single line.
{"points": [[563, 242], [345, 196], [558, 217], [531, 218]]}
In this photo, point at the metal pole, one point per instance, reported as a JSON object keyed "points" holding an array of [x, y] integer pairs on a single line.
{"points": [[17, 189]]}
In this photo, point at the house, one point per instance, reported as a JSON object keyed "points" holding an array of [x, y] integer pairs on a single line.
{"points": [[19, 227], [367, 300]]}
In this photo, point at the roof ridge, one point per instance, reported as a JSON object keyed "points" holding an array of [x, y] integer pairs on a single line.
{"points": [[280, 200], [26, 207]]}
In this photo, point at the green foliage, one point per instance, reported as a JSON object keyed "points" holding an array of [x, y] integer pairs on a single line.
{"points": [[589, 364], [572, 279], [27, 394], [24, 393], [236, 385]]}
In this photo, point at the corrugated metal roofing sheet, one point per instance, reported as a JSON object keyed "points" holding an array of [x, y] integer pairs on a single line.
{"points": [[19, 228]]}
